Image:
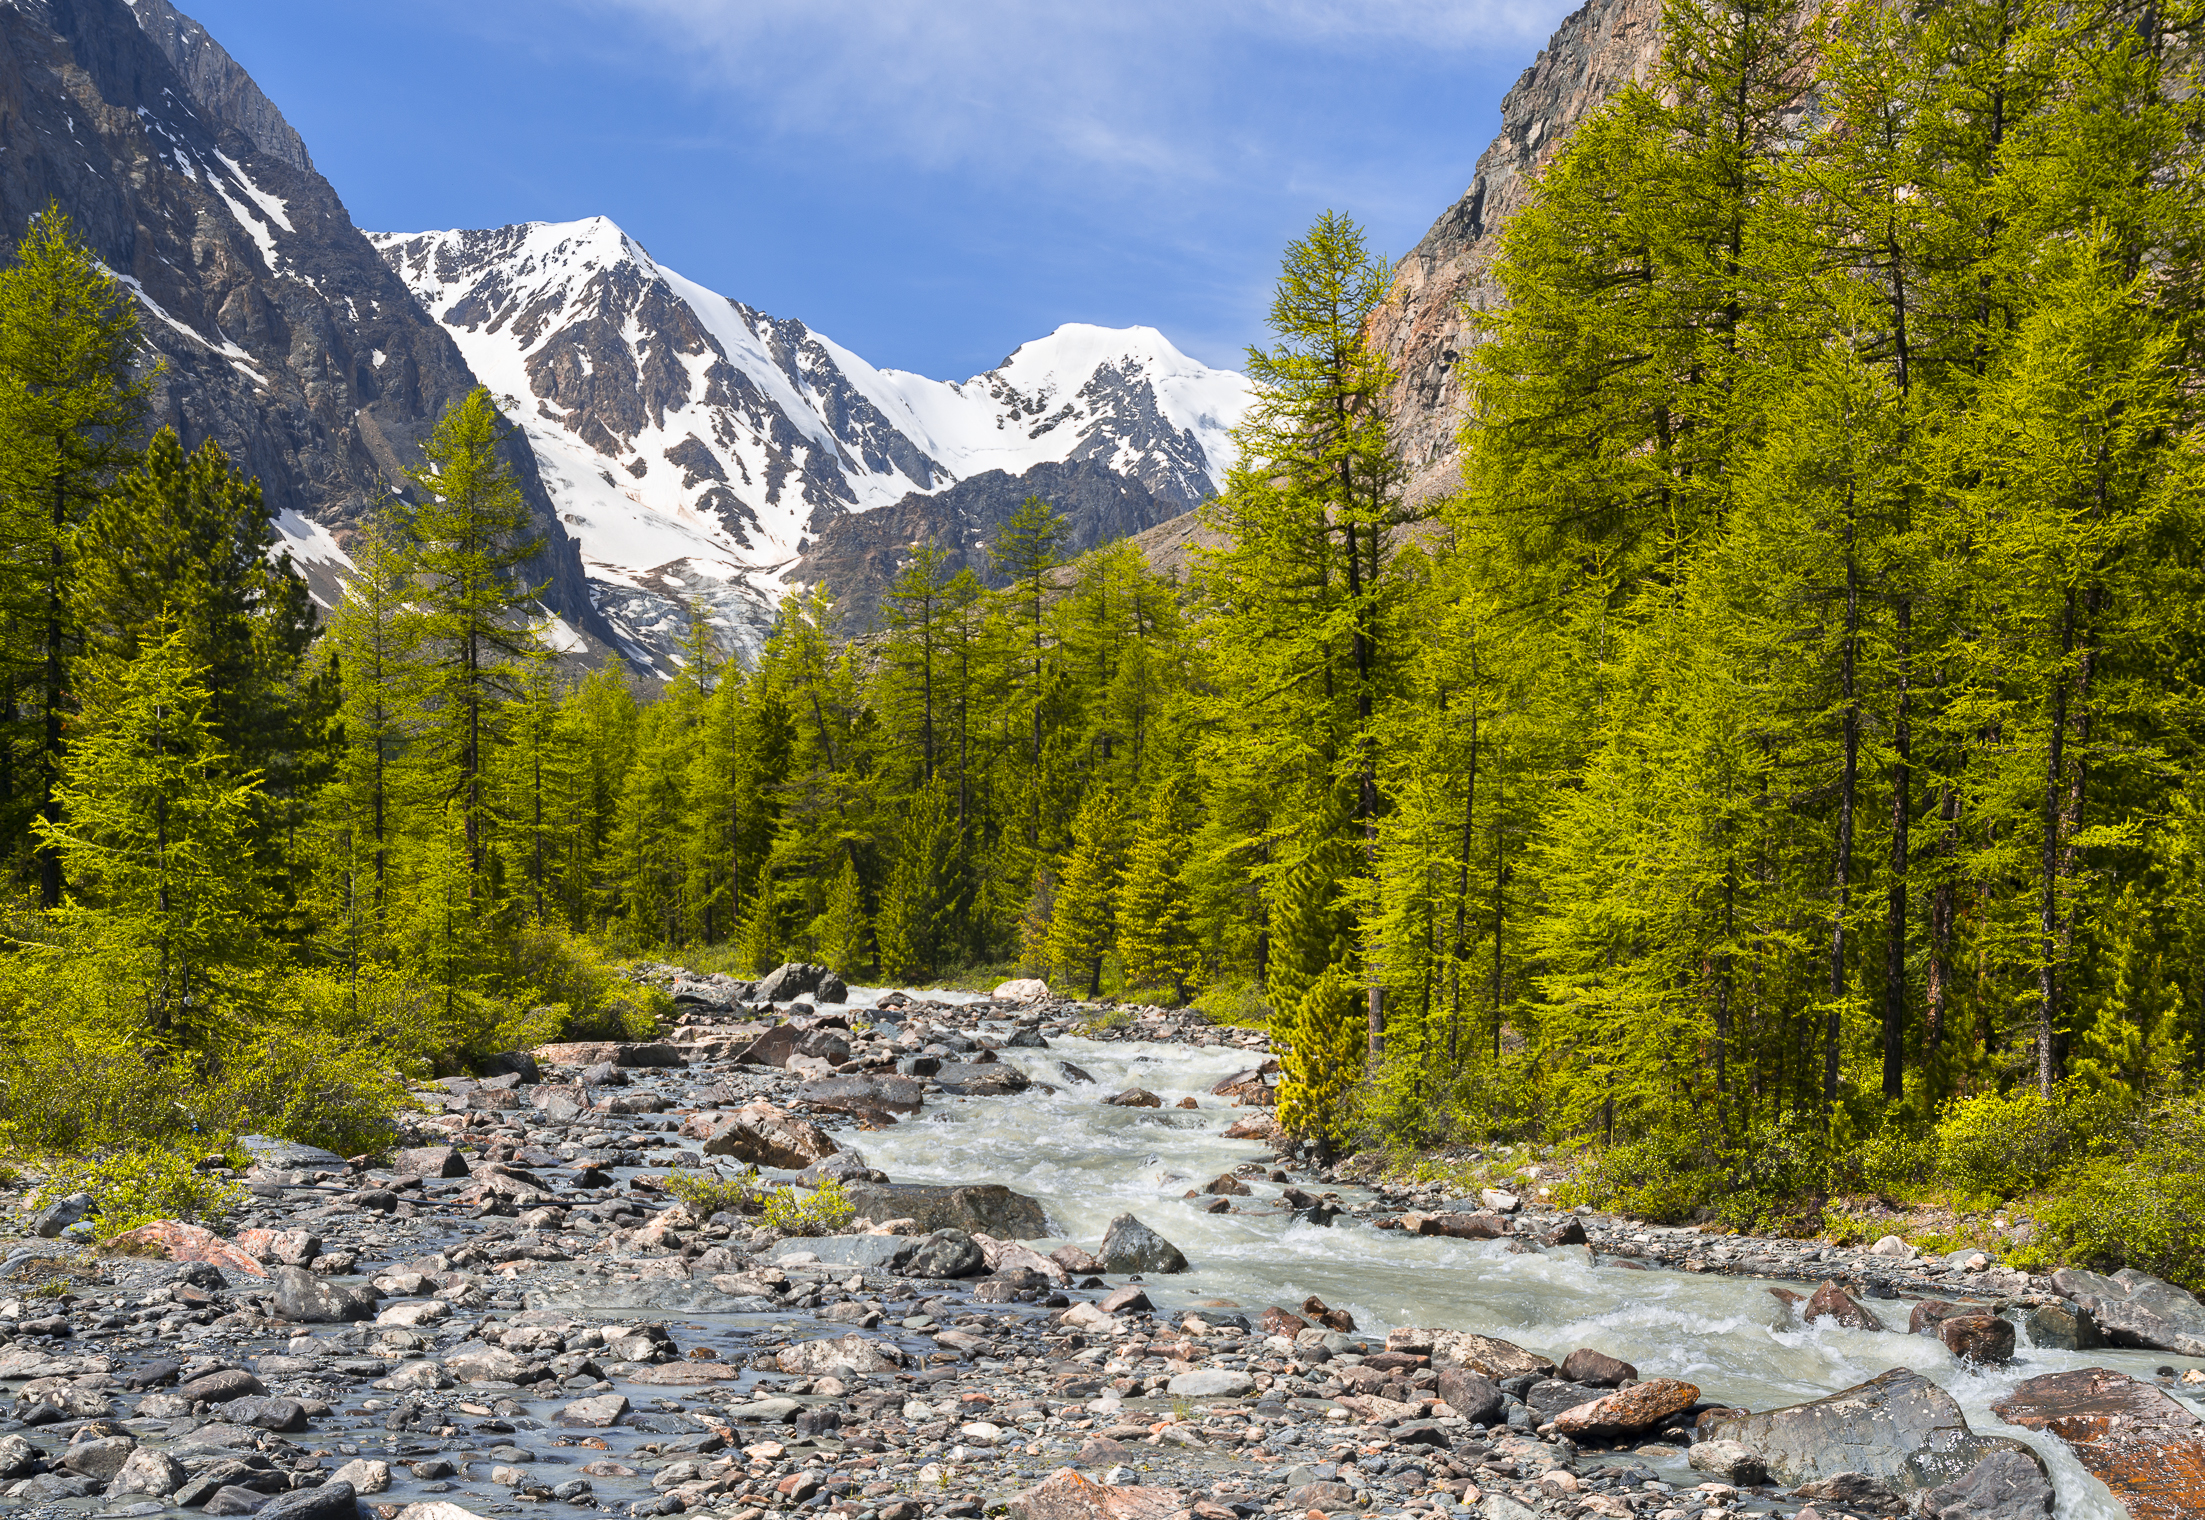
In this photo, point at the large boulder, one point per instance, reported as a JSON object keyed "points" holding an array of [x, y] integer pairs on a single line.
{"points": [[1470, 1394], [978, 1208], [971, 1079], [867, 1097], [1493, 1357], [517, 1063], [788, 982], [1899, 1429], [860, 1353], [1979, 1338], [871, 1253], [1131, 1246], [2132, 1308], [767, 1137], [2003, 1486], [1066, 1495], [312, 1300], [945, 1253], [1832, 1302], [618, 1053], [1627, 1410], [2148, 1449], [430, 1161]]}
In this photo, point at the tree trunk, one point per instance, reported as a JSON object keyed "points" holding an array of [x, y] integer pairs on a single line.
{"points": [[1833, 1021], [1894, 955], [2048, 899]]}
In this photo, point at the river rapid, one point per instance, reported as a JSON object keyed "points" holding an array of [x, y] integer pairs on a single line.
{"points": [[1088, 1162]]}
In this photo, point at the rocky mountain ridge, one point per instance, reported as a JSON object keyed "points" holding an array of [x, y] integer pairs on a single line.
{"points": [[1423, 327], [708, 454], [280, 331]]}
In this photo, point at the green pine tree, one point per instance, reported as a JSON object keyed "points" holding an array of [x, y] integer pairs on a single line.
{"points": [[73, 396], [157, 821], [1084, 922], [1156, 942], [474, 536]]}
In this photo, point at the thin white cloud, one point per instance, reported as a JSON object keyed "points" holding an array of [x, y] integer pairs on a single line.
{"points": [[1131, 87]]}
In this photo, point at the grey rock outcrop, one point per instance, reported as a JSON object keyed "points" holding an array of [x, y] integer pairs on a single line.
{"points": [[2133, 1308], [860, 555], [1422, 327], [280, 331]]}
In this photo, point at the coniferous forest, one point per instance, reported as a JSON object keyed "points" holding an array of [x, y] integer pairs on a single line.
{"points": [[1773, 775]]}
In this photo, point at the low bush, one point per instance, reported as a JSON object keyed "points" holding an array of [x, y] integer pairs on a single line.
{"points": [[138, 1185], [581, 995], [1996, 1146], [708, 1193], [826, 1210]]}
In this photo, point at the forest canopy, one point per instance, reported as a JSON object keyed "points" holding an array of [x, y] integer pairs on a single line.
{"points": [[1774, 770]]}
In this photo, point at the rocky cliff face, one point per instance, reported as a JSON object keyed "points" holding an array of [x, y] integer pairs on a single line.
{"points": [[281, 332], [1422, 327], [861, 553], [711, 456]]}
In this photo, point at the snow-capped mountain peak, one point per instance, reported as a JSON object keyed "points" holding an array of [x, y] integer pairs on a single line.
{"points": [[697, 446]]}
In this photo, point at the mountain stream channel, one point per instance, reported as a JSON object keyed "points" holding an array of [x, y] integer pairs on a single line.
{"points": [[540, 1329]]}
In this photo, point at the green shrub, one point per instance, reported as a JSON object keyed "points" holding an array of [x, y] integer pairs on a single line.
{"points": [[311, 1086], [580, 995], [1996, 1146], [137, 1186], [1896, 1159], [2135, 1213], [708, 1193], [825, 1211]]}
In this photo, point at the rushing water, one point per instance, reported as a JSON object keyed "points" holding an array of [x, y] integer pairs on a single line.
{"points": [[1088, 1162]]}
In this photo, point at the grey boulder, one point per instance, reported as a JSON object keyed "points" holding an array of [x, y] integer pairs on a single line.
{"points": [[2133, 1308], [311, 1300], [946, 1253], [60, 1214], [2003, 1486], [987, 1208], [334, 1500], [1131, 1246], [1899, 1430]]}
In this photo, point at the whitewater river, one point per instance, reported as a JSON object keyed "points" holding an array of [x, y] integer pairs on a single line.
{"points": [[1088, 1163]]}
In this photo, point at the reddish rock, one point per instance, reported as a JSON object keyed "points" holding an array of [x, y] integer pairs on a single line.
{"points": [[1925, 1317], [1075, 1260], [1277, 1321], [1068, 1495], [1978, 1338], [186, 1242], [1832, 1302], [1627, 1409], [289, 1248], [1135, 1097], [1227, 1186], [2146, 1448], [1585, 1365], [1255, 1127], [1313, 1308]]}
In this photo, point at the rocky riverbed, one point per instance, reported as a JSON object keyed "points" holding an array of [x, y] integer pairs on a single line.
{"points": [[1084, 1285]]}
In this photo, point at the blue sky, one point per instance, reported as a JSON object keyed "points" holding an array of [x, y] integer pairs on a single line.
{"points": [[927, 184]]}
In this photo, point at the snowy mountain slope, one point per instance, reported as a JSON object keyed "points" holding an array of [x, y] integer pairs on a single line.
{"points": [[697, 447]]}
